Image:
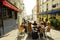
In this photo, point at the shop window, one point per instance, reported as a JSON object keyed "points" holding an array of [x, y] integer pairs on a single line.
{"points": [[10, 13], [4, 11]]}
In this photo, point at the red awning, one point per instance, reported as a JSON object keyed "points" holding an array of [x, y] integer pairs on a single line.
{"points": [[7, 4]]}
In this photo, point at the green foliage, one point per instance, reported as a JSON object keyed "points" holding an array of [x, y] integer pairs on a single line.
{"points": [[55, 23]]}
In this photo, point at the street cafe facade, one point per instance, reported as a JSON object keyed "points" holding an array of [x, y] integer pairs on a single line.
{"points": [[7, 11]]}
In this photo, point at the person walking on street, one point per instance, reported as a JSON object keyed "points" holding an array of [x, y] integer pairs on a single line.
{"points": [[42, 30], [25, 27], [34, 24], [21, 28], [35, 31], [29, 28]]}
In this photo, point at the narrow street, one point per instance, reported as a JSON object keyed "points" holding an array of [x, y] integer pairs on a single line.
{"points": [[10, 29], [29, 19], [12, 35], [53, 35]]}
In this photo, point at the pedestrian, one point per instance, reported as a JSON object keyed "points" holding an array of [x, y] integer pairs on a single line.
{"points": [[35, 33], [44, 23], [42, 30], [21, 27], [25, 27], [34, 24], [29, 28], [47, 28]]}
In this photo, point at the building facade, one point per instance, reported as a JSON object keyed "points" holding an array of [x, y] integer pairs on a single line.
{"points": [[21, 12], [50, 8], [34, 13], [37, 8], [8, 10]]}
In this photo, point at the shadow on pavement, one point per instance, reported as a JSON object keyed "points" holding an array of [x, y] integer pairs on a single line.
{"points": [[10, 29], [50, 38], [18, 38], [30, 38], [6, 35]]}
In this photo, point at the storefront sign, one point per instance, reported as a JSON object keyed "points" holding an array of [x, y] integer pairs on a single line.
{"points": [[7, 4]]}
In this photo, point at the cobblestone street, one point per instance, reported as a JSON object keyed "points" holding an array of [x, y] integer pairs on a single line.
{"points": [[53, 35], [14, 34], [29, 19]]}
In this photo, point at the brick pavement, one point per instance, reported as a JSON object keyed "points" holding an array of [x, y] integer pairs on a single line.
{"points": [[12, 35]]}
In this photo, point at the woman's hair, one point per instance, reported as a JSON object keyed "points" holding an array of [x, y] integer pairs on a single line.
{"points": [[47, 23], [34, 21], [42, 23]]}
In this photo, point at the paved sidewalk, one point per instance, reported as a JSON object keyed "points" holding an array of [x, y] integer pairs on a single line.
{"points": [[22, 37], [11, 35], [26, 35], [55, 35]]}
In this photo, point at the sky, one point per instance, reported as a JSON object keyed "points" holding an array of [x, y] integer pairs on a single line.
{"points": [[29, 5]]}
